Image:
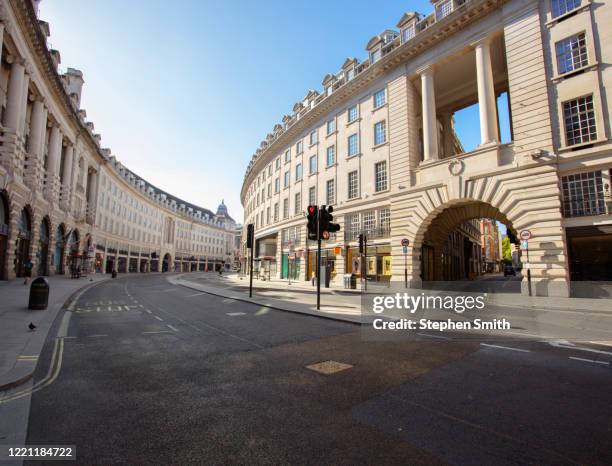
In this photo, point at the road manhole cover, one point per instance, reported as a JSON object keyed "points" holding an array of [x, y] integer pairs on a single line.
{"points": [[329, 367]]}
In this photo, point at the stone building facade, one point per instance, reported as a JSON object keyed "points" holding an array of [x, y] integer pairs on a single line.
{"points": [[378, 143], [66, 203]]}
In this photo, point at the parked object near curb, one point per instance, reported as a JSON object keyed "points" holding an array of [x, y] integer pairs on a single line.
{"points": [[39, 294], [114, 274]]}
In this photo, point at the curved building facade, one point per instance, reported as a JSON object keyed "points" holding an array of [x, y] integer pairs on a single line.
{"points": [[378, 143], [68, 205]]}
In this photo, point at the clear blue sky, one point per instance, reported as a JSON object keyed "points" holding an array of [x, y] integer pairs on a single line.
{"points": [[184, 91]]}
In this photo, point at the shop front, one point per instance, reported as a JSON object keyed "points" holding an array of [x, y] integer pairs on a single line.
{"points": [[376, 265]]}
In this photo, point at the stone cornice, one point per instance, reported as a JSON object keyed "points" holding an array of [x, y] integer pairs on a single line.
{"points": [[422, 42]]}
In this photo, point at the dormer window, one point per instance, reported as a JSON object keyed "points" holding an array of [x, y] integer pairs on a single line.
{"points": [[443, 9], [375, 55], [407, 33], [328, 90], [350, 74]]}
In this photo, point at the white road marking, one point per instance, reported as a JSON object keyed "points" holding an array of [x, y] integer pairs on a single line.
{"points": [[172, 327], [109, 308], [605, 363], [159, 331], [505, 347], [147, 310], [433, 336], [98, 309], [127, 308], [96, 336], [566, 344], [159, 318], [233, 314], [228, 300], [192, 295]]}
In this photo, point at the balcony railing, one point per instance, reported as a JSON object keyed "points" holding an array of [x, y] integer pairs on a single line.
{"points": [[370, 233]]}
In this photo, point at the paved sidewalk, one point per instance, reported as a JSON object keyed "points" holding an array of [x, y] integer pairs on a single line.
{"points": [[297, 297], [345, 304], [19, 346]]}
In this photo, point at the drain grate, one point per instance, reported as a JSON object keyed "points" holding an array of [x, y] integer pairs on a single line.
{"points": [[329, 367]]}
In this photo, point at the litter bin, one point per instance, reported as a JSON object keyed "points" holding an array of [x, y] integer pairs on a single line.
{"points": [[114, 274], [353, 282], [39, 294]]}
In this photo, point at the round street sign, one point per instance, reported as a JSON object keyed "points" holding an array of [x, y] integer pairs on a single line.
{"points": [[325, 234], [525, 235], [405, 242]]}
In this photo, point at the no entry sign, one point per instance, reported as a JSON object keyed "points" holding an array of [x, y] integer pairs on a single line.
{"points": [[525, 235]]}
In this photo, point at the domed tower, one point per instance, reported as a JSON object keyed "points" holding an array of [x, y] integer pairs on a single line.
{"points": [[222, 209]]}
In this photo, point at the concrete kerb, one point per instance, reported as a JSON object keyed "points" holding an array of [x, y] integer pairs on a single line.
{"points": [[23, 374], [258, 303]]}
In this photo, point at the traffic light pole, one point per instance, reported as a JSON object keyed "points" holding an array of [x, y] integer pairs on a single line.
{"points": [[365, 262], [319, 260], [251, 275]]}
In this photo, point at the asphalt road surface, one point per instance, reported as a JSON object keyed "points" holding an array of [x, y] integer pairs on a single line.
{"points": [[144, 372]]}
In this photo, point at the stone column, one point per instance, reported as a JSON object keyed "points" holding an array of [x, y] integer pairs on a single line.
{"points": [[447, 134], [53, 164], [14, 94], [35, 159], [430, 125], [486, 93], [24, 103], [67, 176]]}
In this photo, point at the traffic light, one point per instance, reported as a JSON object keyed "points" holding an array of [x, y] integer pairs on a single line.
{"points": [[327, 226], [312, 215], [250, 235], [360, 244]]}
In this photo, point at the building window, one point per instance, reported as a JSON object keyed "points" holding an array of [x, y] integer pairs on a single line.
{"points": [[444, 9], [312, 195], [276, 211], [353, 185], [267, 215], [331, 192], [331, 155], [299, 147], [408, 33], [269, 190], [285, 208], [297, 208], [353, 113], [314, 137], [560, 7], [369, 221], [277, 185], [384, 219], [313, 164], [571, 53], [353, 144], [583, 194], [298, 172], [350, 74], [379, 98], [579, 119], [277, 163], [270, 170], [286, 184], [380, 170], [375, 55], [287, 155], [331, 126], [380, 133], [355, 224]]}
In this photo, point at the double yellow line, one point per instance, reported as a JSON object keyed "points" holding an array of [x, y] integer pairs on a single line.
{"points": [[52, 374]]}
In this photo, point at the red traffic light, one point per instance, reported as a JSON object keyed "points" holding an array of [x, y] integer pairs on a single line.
{"points": [[312, 209]]}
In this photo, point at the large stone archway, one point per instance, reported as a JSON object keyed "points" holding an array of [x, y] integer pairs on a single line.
{"points": [[521, 200]]}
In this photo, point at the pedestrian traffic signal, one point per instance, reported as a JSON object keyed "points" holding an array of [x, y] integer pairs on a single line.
{"points": [[250, 235], [327, 227], [312, 214]]}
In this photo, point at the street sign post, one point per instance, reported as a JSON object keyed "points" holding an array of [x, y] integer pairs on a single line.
{"points": [[525, 235], [405, 243]]}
